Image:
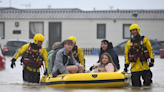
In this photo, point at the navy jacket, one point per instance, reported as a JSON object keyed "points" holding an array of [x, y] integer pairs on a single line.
{"points": [[112, 53]]}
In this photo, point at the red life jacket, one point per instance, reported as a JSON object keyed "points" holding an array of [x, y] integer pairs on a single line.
{"points": [[32, 59], [138, 51]]}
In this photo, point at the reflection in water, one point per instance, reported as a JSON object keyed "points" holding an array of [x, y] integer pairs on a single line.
{"points": [[11, 80]]}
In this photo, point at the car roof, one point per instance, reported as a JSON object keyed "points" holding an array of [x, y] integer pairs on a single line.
{"points": [[156, 40], [18, 40]]}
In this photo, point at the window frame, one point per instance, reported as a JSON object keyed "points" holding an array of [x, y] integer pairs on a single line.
{"points": [[30, 27], [123, 35], [3, 30], [104, 31]]}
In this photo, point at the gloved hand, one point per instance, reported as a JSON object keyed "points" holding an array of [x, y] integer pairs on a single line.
{"points": [[91, 68], [123, 72], [13, 63], [45, 72], [151, 64], [125, 69]]}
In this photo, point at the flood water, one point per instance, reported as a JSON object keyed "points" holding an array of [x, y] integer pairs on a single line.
{"points": [[11, 79]]}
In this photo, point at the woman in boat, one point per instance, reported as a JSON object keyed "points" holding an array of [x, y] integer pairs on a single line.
{"points": [[107, 47], [106, 64]]}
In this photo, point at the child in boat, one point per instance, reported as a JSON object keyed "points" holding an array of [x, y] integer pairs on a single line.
{"points": [[49, 57], [106, 64], [64, 62]]}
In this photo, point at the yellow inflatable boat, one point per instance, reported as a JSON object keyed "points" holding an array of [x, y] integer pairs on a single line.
{"points": [[102, 79]]}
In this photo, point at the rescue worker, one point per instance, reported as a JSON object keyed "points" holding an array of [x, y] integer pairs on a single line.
{"points": [[138, 52], [77, 52], [33, 56]]}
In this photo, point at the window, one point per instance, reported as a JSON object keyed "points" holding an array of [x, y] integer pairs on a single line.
{"points": [[152, 43], [2, 30], [123, 44], [16, 43], [101, 30], [35, 27], [126, 32], [161, 43]]}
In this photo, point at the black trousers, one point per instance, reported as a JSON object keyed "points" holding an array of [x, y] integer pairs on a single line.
{"points": [[146, 76], [32, 77]]}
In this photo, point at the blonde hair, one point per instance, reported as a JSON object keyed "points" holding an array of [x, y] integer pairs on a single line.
{"points": [[109, 60], [55, 44]]}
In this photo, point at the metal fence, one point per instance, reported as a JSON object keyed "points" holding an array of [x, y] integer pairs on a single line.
{"points": [[91, 51]]}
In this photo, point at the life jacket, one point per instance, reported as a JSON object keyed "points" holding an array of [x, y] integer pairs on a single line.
{"points": [[138, 50], [32, 58], [74, 52]]}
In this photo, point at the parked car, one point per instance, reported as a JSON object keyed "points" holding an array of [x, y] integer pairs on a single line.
{"points": [[156, 45], [1, 49], [120, 48], [12, 45], [2, 59]]}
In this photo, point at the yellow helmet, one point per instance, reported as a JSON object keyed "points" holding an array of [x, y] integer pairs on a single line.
{"points": [[72, 38], [38, 37], [134, 26]]}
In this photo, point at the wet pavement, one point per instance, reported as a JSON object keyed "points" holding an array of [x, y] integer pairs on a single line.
{"points": [[11, 79]]}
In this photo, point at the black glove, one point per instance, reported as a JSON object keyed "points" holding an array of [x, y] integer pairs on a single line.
{"points": [[45, 72], [13, 63], [91, 68], [125, 69], [151, 64]]}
